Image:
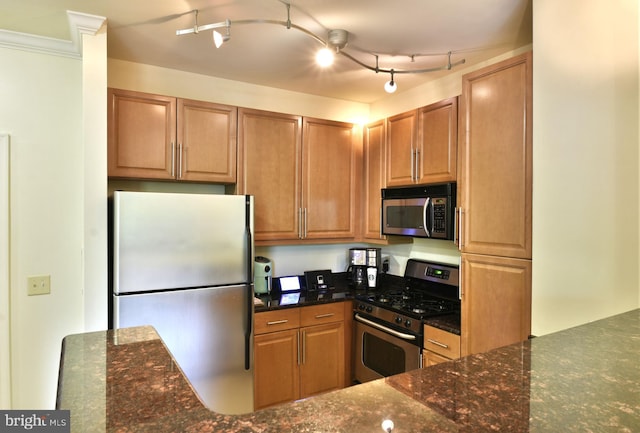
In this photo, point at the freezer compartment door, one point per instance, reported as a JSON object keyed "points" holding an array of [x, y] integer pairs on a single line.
{"points": [[205, 331], [168, 241]]}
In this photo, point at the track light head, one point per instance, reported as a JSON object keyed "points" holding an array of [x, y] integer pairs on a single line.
{"points": [[219, 38], [325, 57], [390, 86]]}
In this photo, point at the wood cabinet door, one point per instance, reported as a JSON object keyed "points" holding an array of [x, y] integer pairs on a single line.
{"points": [[374, 153], [401, 146], [437, 142], [141, 135], [206, 141], [269, 154], [322, 364], [276, 371], [496, 302], [494, 182], [331, 162]]}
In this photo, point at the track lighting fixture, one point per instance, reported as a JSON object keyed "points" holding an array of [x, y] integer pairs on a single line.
{"points": [[336, 42]]}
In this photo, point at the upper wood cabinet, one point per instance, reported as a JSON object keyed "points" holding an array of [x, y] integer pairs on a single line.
{"points": [[206, 141], [401, 145], [331, 168], [141, 135], [438, 142], [422, 144], [161, 137], [374, 153], [303, 174], [494, 180], [269, 168]]}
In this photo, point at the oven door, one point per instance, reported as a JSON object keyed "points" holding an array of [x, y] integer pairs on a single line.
{"points": [[382, 352]]}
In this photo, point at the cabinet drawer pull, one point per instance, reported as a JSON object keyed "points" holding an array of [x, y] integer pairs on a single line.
{"points": [[277, 322], [437, 343], [322, 316]]}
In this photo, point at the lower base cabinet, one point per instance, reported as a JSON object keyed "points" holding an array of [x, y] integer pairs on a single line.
{"points": [[298, 352], [439, 346]]}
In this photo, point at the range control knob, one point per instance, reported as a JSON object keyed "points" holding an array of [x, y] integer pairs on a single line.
{"points": [[407, 323], [398, 320], [369, 309], [361, 307]]}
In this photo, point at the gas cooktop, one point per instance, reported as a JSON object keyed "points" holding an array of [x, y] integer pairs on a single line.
{"points": [[427, 290], [412, 303]]}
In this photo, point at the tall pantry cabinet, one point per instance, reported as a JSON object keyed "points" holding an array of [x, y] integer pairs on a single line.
{"points": [[494, 198]]}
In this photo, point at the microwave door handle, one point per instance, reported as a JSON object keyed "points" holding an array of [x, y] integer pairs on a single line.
{"points": [[425, 209]]}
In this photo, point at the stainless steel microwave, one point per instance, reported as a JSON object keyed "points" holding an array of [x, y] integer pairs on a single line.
{"points": [[426, 211]]}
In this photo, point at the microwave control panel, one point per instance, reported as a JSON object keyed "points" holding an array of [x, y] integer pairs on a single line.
{"points": [[439, 216]]}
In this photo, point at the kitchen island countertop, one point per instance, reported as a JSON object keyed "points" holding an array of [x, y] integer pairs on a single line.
{"points": [[585, 378]]}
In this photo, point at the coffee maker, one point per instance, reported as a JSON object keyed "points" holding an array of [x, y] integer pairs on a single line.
{"points": [[364, 265]]}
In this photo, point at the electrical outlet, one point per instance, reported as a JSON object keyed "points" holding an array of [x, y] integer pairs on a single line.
{"points": [[39, 285]]}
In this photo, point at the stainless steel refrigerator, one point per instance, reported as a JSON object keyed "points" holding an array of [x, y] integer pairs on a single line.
{"points": [[183, 263]]}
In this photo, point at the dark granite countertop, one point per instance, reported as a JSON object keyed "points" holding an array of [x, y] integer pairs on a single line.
{"points": [[342, 290], [584, 379]]}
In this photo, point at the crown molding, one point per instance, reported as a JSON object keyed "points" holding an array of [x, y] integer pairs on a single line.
{"points": [[79, 24]]}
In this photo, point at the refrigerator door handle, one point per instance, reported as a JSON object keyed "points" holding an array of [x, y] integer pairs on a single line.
{"points": [[249, 279]]}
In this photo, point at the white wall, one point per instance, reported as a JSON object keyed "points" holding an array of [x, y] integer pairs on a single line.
{"points": [[54, 108], [154, 79], [585, 166], [94, 140], [43, 114]]}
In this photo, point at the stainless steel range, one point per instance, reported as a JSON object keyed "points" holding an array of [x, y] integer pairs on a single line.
{"points": [[389, 320]]}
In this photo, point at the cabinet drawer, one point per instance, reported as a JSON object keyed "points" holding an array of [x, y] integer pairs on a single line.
{"points": [[429, 358], [277, 320], [325, 313], [442, 342]]}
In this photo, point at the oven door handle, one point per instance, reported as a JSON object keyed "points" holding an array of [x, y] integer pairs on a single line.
{"points": [[383, 328]]}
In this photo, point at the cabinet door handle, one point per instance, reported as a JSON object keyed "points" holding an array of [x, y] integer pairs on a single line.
{"points": [[304, 233], [460, 229], [456, 238], [304, 347], [299, 223], [277, 322], [417, 163], [460, 277], [173, 159], [179, 160], [322, 316], [411, 161], [298, 338], [437, 343]]}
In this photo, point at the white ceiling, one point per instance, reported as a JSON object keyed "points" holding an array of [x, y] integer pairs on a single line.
{"points": [[144, 31]]}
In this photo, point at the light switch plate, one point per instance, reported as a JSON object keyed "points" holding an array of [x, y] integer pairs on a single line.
{"points": [[39, 285]]}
